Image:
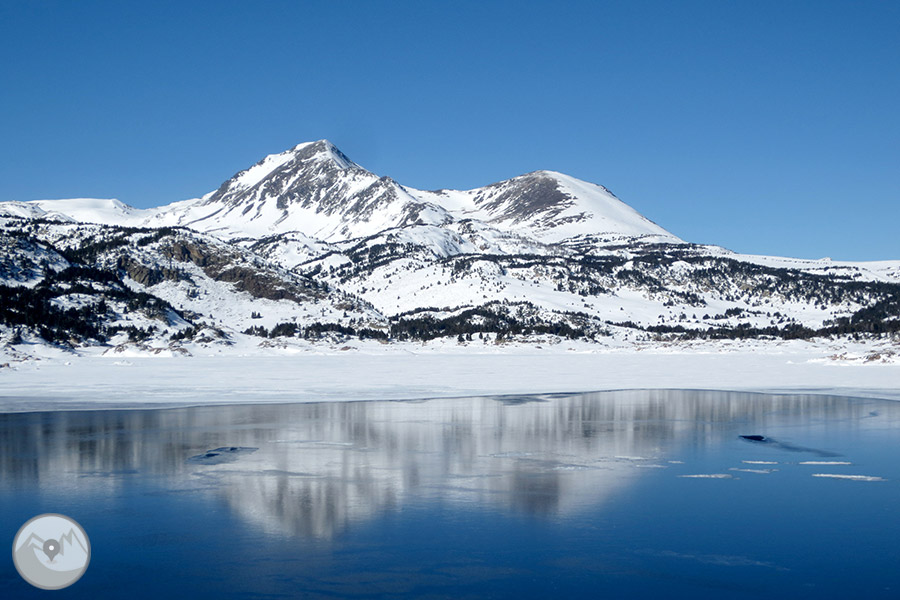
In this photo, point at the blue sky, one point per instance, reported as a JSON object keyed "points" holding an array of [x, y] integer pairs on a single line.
{"points": [[767, 127]]}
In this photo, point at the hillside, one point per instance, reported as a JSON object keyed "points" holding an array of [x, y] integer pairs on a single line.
{"points": [[306, 244]]}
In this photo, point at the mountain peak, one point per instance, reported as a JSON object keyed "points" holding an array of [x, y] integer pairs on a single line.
{"points": [[559, 178], [323, 150], [312, 148], [556, 206]]}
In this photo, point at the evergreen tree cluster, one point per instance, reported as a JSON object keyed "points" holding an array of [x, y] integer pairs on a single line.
{"points": [[314, 331], [482, 319], [33, 309]]}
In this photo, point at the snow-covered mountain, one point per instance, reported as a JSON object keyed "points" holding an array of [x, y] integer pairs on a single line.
{"points": [[315, 190], [307, 242], [550, 206], [312, 189]]}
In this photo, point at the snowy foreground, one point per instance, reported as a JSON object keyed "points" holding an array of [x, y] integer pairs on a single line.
{"points": [[371, 371]]}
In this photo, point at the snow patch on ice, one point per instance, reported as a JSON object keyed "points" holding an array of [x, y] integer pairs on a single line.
{"points": [[759, 471], [850, 477]]}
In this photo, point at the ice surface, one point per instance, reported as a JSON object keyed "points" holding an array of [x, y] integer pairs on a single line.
{"points": [[374, 372]]}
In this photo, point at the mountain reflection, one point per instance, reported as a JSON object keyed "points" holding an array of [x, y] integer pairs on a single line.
{"points": [[320, 468]]}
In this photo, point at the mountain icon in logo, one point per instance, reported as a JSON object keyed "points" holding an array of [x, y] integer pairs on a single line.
{"points": [[51, 551]]}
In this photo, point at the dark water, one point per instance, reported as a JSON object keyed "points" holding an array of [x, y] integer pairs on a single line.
{"points": [[517, 497]]}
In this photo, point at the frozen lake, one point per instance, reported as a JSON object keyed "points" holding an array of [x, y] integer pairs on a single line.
{"points": [[632, 493]]}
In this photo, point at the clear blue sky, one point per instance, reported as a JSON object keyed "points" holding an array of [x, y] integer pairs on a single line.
{"points": [[764, 126]]}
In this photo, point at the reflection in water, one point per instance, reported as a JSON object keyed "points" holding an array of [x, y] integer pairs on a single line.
{"points": [[319, 468]]}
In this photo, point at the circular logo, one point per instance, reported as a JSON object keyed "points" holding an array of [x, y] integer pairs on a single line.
{"points": [[51, 551]]}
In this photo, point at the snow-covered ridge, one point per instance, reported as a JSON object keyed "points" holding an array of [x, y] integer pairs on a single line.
{"points": [[106, 211], [551, 206], [314, 189]]}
